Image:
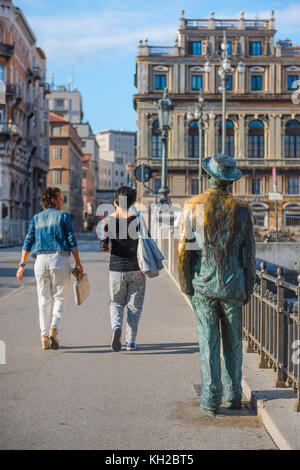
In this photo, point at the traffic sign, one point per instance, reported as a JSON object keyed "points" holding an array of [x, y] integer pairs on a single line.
{"points": [[143, 173], [275, 196]]}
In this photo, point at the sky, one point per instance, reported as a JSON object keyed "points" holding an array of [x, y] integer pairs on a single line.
{"points": [[95, 43]]}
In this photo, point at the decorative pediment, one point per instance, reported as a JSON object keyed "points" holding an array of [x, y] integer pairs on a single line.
{"points": [[196, 69], [257, 69], [293, 68], [160, 68]]}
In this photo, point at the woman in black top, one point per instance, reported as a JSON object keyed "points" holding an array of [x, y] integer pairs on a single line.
{"points": [[127, 283]]}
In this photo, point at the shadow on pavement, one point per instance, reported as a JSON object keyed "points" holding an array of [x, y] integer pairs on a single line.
{"points": [[163, 348]]}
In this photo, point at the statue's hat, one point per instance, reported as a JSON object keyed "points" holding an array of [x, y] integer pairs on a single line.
{"points": [[223, 167]]}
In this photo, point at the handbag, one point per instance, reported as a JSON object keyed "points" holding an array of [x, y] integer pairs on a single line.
{"points": [[81, 287], [148, 254]]}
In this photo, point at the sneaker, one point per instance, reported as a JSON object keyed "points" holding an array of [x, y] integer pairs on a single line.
{"points": [[54, 344], [130, 346], [115, 341]]}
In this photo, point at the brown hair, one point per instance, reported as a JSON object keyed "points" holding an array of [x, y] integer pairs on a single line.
{"points": [[49, 197]]}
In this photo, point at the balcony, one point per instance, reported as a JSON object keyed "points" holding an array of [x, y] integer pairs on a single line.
{"points": [[13, 90], [7, 50], [47, 88], [10, 128], [37, 73]]}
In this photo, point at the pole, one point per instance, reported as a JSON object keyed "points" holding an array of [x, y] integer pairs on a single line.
{"points": [[164, 176], [276, 215], [223, 112], [200, 154]]}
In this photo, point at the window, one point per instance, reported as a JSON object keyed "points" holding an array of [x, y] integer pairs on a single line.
{"points": [[256, 82], [292, 139], [59, 104], [291, 80], [57, 153], [255, 48], [56, 131], [293, 185], [256, 186], [193, 151], [256, 139], [196, 47], [2, 73], [197, 82], [229, 48], [229, 82], [156, 141], [229, 139], [56, 177], [195, 186], [160, 82], [2, 113]]}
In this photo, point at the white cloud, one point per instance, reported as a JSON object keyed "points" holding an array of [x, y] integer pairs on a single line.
{"points": [[105, 35], [97, 35]]}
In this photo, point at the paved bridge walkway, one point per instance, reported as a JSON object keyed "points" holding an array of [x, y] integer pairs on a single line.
{"points": [[84, 396]]}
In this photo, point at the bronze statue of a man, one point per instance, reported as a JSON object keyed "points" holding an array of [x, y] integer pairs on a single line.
{"points": [[217, 268]]}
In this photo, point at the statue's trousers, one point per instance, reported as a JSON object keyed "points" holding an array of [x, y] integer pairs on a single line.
{"points": [[213, 315]]}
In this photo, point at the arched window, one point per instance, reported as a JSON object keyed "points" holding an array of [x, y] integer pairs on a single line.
{"points": [[291, 214], [256, 139], [260, 212], [292, 139], [194, 140], [156, 140], [229, 139]]}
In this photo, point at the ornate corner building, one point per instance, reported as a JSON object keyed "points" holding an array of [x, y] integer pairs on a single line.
{"points": [[262, 118], [24, 138]]}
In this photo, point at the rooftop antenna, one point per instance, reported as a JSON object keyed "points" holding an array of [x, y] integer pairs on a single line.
{"points": [[52, 79], [69, 83]]}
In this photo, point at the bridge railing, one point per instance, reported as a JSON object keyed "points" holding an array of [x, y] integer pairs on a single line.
{"points": [[271, 323]]}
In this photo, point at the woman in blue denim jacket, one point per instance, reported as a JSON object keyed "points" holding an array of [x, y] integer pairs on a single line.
{"points": [[51, 239]]}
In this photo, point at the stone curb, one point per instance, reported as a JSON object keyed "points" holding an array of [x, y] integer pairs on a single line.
{"points": [[264, 407]]}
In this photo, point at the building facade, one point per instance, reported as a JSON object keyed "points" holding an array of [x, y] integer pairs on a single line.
{"points": [[67, 103], [116, 150], [24, 120], [262, 118], [65, 171]]}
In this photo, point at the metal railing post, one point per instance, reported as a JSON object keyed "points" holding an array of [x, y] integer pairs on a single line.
{"points": [[297, 406], [281, 343], [263, 363]]}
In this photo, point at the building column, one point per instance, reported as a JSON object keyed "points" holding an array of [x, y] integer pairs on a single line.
{"points": [[212, 134], [242, 146], [279, 136], [272, 152]]}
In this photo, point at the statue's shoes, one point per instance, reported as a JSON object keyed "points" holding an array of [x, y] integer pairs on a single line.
{"points": [[208, 414], [234, 405]]}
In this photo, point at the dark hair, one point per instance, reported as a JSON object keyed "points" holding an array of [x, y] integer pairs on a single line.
{"points": [[125, 197], [49, 197]]}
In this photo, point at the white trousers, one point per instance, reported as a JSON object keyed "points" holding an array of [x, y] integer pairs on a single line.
{"points": [[52, 272]]}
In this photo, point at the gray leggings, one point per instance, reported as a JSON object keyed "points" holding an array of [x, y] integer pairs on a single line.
{"points": [[127, 289]]}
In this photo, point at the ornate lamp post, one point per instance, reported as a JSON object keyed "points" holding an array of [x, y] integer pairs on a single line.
{"points": [[200, 115], [224, 70], [165, 107]]}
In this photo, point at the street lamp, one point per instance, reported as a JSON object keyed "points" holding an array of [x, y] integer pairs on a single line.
{"points": [[165, 107], [200, 115], [225, 68]]}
